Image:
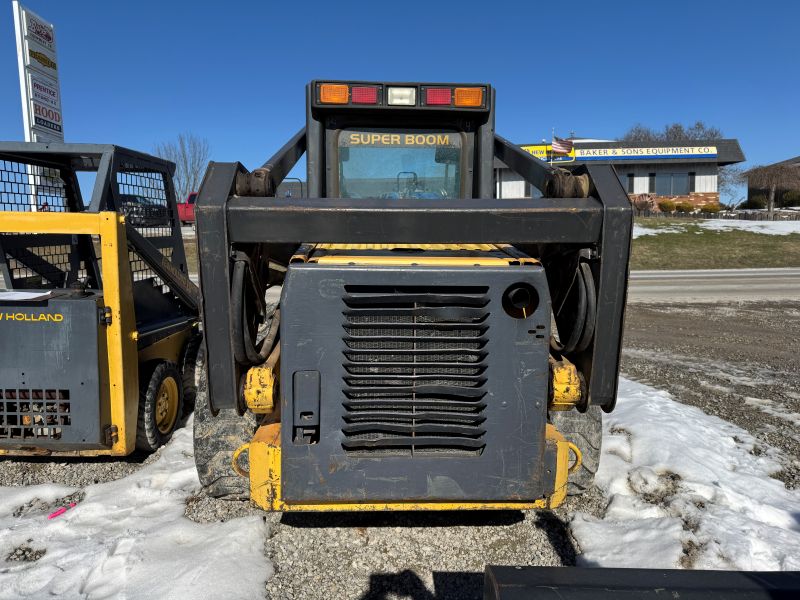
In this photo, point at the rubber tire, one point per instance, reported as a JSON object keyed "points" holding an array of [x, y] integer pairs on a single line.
{"points": [[148, 436], [191, 366], [215, 441], [585, 430], [587, 279], [572, 316]]}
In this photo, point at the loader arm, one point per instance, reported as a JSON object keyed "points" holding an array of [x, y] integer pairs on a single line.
{"points": [[601, 222]]}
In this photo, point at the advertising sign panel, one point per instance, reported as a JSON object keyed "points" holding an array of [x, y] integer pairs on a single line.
{"points": [[545, 152], [641, 153], [38, 77]]}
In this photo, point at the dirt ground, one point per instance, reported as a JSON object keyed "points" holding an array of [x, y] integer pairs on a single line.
{"points": [[740, 362]]}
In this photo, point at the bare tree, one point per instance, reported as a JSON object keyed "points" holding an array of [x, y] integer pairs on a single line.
{"points": [[780, 176], [672, 133], [640, 134], [729, 178], [190, 155]]}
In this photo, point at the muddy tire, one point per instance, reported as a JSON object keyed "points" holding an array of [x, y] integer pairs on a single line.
{"points": [[160, 400], [215, 441], [585, 430], [191, 365]]}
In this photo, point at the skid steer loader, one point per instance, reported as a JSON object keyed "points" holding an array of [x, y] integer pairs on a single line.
{"points": [[400, 339], [98, 318]]}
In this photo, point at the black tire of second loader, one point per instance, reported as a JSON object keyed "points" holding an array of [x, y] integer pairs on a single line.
{"points": [[160, 404], [216, 438]]}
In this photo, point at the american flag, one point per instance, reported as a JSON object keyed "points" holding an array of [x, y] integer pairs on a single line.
{"points": [[561, 146]]}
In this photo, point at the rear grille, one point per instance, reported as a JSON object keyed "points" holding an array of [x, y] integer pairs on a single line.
{"points": [[29, 415], [415, 369]]}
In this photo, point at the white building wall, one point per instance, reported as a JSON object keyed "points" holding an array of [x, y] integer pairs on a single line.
{"points": [[509, 184], [706, 179], [705, 175]]}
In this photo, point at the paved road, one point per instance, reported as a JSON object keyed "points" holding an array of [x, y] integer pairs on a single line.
{"points": [[714, 285]]}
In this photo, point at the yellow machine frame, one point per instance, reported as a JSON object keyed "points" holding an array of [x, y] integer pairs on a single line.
{"points": [[120, 387], [264, 452]]}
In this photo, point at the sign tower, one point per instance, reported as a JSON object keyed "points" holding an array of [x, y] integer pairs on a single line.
{"points": [[38, 76]]}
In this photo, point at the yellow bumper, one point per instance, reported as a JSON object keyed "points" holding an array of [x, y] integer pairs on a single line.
{"points": [[265, 480]]}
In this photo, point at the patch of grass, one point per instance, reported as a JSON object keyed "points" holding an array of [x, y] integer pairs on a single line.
{"points": [[694, 248], [698, 248], [190, 246]]}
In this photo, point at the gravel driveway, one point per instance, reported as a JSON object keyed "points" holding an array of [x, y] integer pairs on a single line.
{"points": [[737, 361], [416, 555]]}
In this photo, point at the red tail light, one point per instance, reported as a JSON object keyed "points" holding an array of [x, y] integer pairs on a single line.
{"points": [[364, 94], [437, 96]]}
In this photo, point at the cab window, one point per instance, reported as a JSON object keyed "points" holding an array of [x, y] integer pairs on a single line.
{"points": [[392, 164]]}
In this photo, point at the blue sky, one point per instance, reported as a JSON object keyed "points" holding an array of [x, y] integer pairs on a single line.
{"points": [[137, 73]]}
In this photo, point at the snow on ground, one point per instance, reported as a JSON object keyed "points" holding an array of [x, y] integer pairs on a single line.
{"points": [[686, 489], [128, 538], [771, 407], [639, 231], [765, 227]]}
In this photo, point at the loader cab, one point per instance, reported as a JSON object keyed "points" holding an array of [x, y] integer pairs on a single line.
{"points": [[424, 331], [397, 141]]}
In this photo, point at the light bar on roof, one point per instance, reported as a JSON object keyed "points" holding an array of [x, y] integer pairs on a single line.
{"points": [[368, 95], [469, 96], [364, 94], [333, 93], [402, 96], [438, 96]]}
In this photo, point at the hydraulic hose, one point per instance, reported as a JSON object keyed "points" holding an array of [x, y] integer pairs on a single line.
{"points": [[581, 301], [237, 310], [246, 350], [268, 342], [250, 348], [591, 308], [258, 352]]}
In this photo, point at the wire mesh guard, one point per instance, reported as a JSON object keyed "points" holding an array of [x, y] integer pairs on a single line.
{"points": [[26, 188], [37, 260], [143, 201], [51, 261]]}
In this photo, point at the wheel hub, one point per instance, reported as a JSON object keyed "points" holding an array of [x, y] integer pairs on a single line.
{"points": [[167, 405]]}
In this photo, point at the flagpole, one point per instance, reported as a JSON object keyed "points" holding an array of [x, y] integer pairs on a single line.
{"points": [[552, 138]]}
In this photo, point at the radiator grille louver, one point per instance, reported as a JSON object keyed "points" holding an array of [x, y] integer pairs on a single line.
{"points": [[415, 363]]}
